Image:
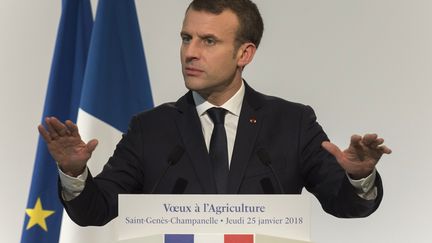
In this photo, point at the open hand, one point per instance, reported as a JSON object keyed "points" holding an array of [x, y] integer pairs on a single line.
{"points": [[65, 145], [362, 155]]}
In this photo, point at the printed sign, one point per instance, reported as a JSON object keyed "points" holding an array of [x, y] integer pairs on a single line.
{"points": [[286, 216]]}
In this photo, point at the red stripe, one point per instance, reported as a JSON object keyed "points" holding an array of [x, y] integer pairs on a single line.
{"points": [[238, 239]]}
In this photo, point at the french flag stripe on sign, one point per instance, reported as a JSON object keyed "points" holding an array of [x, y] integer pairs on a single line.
{"points": [[238, 239], [179, 238], [209, 238]]}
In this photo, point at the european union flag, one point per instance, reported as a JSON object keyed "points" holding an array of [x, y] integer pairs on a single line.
{"points": [[44, 211]]}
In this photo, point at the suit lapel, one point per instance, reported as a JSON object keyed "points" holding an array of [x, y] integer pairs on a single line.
{"points": [[189, 127], [249, 124]]}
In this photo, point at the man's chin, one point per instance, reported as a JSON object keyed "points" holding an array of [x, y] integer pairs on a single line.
{"points": [[194, 84]]}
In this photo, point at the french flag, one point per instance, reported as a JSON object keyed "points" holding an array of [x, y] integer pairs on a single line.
{"points": [[209, 238], [116, 86]]}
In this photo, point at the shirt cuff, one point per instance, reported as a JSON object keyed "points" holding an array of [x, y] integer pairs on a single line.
{"points": [[72, 186], [365, 187]]}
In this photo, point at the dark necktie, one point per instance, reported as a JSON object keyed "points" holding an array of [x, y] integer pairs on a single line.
{"points": [[218, 149]]}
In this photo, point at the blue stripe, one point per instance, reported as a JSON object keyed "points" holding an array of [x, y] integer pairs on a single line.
{"points": [[116, 83], [172, 238]]}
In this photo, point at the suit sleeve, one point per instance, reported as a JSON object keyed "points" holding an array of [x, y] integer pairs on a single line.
{"points": [[325, 178], [98, 202]]}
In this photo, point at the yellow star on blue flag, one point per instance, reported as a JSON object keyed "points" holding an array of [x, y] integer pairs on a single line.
{"points": [[38, 215]]}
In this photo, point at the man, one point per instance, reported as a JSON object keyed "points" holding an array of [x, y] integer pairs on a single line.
{"points": [[198, 148]]}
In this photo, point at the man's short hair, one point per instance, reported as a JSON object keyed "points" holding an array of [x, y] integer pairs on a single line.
{"points": [[251, 26]]}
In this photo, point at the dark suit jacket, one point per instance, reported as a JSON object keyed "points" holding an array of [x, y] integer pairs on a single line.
{"points": [[287, 131]]}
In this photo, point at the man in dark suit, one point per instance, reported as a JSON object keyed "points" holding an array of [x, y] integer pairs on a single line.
{"points": [[221, 137]]}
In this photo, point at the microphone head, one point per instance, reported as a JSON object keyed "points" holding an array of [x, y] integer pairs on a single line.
{"points": [[173, 158], [175, 155], [264, 156]]}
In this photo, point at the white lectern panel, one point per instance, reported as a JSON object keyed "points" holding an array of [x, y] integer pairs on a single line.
{"points": [[283, 216]]}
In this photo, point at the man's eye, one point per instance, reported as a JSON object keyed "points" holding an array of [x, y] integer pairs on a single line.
{"points": [[186, 39], [209, 41]]}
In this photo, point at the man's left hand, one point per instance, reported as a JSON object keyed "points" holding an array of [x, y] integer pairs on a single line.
{"points": [[360, 158]]}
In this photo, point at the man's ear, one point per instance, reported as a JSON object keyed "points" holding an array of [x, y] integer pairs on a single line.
{"points": [[245, 54]]}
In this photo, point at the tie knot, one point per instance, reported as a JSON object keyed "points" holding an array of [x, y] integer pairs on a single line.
{"points": [[217, 115]]}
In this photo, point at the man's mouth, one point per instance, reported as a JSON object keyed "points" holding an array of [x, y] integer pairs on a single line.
{"points": [[189, 71]]}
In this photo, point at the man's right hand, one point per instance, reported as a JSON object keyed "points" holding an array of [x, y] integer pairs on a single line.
{"points": [[65, 145]]}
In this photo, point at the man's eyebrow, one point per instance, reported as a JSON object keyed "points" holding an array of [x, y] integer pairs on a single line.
{"points": [[201, 36], [209, 36]]}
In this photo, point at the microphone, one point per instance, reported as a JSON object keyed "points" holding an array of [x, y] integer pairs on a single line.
{"points": [[264, 157], [267, 186], [179, 186], [173, 158]]}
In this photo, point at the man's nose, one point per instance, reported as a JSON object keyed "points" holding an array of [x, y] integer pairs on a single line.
{"points": [[192, 51]]}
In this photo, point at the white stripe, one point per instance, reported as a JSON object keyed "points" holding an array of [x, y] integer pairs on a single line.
{"points": [[209, 238], [90, 127]]}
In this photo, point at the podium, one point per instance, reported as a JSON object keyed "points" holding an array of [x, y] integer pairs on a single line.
{"points": [[211, 218]]}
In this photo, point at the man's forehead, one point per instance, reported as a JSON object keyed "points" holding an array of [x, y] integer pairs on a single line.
{"points": [[226, 21]]}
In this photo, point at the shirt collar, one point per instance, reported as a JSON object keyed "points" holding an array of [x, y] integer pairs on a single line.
{"points": [[233, 105]]}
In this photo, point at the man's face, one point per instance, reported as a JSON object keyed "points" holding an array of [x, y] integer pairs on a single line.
{"points": [[208, 54]]}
